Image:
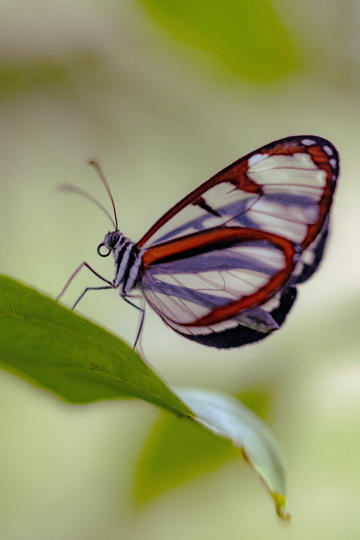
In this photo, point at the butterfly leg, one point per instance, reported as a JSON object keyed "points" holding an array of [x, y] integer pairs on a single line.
{"points": [[142, 316], [75, 274], [90, 289]]}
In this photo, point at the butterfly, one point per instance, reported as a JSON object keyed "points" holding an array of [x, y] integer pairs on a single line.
{"points": [[222, 266]]}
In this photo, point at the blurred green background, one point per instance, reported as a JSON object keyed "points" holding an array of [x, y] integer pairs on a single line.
{"points": [[165, 94]]}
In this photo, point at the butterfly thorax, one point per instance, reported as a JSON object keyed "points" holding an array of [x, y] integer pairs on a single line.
{"points": [[127, 258]]}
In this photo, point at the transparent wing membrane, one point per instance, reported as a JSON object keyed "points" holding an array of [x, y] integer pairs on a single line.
{"points": [[221, 266]]}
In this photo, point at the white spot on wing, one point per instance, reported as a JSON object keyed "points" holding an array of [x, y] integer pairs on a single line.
{"points": [[308, 256], [255, 158], [273, 303], [308, 142], [332, 162], [328, 150]]}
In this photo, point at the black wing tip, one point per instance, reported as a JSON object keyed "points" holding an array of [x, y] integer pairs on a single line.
{"points": [[307, 141], [318, 140]]}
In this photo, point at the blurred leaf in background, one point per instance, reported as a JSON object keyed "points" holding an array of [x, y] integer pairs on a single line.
{"points": [[246, 37], [45, 74]]}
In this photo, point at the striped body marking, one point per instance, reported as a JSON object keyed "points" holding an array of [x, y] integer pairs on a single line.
{"points": [[128, 260]]}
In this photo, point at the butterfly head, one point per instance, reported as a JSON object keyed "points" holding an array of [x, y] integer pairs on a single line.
{"points": [[111, 240]]}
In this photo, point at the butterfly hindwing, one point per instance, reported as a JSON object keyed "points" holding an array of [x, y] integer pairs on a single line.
{"points": [[241, 334]]}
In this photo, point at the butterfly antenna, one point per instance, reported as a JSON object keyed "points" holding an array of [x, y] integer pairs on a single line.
{"points": [[99, 171], [74, 189]]}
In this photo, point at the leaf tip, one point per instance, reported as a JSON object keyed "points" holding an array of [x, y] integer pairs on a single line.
{"points": [[278, 498], [280, 506]]}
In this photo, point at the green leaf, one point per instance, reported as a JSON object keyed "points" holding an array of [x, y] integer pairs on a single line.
{"points": [[53, 347], [50, 346], [226, 417], [178, 450], [247, 38]]}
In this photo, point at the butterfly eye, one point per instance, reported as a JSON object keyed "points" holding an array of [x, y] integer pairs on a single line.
{"points": [[103, 253]]}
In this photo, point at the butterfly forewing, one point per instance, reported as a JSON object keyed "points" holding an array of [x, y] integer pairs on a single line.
{"points": [[219, 266], [285, 187]]}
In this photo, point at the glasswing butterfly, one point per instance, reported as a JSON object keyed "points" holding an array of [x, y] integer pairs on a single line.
{"points": [[222, 266]]}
